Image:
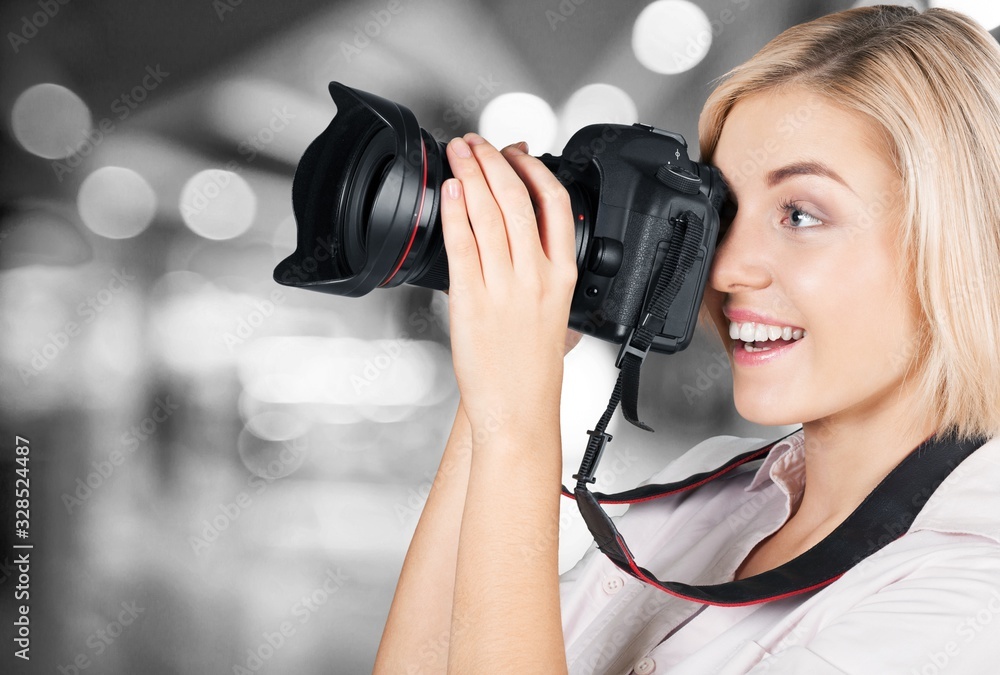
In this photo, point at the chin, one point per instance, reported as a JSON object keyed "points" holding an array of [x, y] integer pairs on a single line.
{"points": [[764, 410]]}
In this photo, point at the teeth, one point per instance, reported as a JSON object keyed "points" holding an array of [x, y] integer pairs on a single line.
{"points": [[750, 332]]}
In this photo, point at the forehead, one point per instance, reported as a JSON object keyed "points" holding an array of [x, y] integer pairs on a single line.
{"points": [[776, 128]]}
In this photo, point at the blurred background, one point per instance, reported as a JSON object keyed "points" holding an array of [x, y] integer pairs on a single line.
{"points": [[225, 473]]}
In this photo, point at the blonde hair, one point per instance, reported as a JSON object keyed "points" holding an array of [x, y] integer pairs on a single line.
{"points": [[931, 83]]}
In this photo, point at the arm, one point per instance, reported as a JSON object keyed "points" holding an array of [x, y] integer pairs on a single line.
{"points": [[506, 616], [512, 280], [475, 563], [415, 639]]}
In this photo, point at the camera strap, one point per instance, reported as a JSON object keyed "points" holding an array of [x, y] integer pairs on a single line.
{"points": [[897, 499], [682, 253]]}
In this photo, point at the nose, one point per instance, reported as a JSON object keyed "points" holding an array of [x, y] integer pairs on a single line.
{"points": [[740, 261]]}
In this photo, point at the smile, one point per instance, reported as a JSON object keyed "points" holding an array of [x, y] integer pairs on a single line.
{"points": [[756, 338]]}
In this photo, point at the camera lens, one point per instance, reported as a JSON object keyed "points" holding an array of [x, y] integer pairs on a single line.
{"points": [[367, 197]]}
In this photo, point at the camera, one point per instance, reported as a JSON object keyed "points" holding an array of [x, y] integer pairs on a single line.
{"points": [[366, 197]]}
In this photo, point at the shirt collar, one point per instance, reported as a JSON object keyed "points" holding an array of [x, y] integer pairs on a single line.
{"points": [[784, 465], [965, 503]]}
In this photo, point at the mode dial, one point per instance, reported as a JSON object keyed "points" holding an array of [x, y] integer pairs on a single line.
{"points": [[678, 178]]}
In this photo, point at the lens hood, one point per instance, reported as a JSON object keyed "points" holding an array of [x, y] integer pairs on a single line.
{"points": [[357, 195]]}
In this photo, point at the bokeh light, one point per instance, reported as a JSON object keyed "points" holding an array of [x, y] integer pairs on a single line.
{"points": [[116, 202], [597, 104], [42, 232], [218, 204], [50, 121], [270, 459], [671, 36], [986, 12], [345, 371], [276, 425], [519, 116], [193, 325]]}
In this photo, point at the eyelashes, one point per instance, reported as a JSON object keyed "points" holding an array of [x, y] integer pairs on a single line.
{"points": [[791, 211], [798, 217]]}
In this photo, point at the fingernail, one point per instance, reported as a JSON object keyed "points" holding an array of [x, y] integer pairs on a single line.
{"points": [[474, 139], [523, 146], [461, 148], [454, 189]]}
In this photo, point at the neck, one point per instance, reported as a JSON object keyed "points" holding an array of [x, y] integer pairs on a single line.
{"points": [[846, 458]]}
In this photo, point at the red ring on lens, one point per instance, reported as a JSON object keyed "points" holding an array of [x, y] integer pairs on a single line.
{"points": [[420, 210]]}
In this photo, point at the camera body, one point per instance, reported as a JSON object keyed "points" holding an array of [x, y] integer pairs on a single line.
{"points": [[366, 198], [635, 182]]}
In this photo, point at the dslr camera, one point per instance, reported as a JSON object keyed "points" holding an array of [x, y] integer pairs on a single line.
{"points": [[366, 198]]}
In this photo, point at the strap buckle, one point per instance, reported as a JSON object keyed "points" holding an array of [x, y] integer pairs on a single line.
{"points": [[627, 347]]}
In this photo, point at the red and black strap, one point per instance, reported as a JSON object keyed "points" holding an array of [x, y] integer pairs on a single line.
{"points": [[897, 499]]}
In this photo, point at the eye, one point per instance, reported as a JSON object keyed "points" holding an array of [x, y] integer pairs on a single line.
{"points": [[797, 218]]}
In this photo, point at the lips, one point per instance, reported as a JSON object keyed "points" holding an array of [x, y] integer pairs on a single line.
{"points": [[748, 354], [770, 344], [758, 338]]}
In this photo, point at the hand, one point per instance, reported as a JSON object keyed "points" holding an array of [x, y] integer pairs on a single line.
{"points": [[512, 269], [572, 337]]}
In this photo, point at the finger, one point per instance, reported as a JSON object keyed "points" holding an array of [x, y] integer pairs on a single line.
{"points": [[512, 197], [481, 210], [464, 267], [556, 227]]}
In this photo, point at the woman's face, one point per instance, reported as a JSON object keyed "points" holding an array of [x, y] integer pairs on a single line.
{"points": [[808, 288]]}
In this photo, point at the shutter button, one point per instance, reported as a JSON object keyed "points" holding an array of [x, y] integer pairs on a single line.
{"points": [[645, 666], [612, 585]]}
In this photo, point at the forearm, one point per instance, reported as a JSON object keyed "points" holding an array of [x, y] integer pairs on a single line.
{"points": [[509, 230], [506, 617], [415, 639]]}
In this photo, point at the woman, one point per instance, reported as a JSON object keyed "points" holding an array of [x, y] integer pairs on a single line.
{"points": [[857, 292]]}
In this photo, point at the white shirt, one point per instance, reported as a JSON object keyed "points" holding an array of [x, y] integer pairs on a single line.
{"points": [[927, 603]]}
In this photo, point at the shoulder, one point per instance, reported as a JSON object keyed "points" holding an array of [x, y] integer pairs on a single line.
{"points": [[948, 554], [707, 455], [968, 501], [929, 598]]}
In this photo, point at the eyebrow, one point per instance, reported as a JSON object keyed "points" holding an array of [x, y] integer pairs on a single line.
{"points": [[809, 168], [804, 169]]}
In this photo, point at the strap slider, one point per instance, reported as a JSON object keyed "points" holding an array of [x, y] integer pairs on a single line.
{"points": [[586, 474]]}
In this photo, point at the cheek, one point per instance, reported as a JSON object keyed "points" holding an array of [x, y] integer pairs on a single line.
{"points": [[860, 312], [711, 311]]}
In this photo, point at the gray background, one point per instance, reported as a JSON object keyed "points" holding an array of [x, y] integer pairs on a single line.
{"points": [[204, 528]]}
